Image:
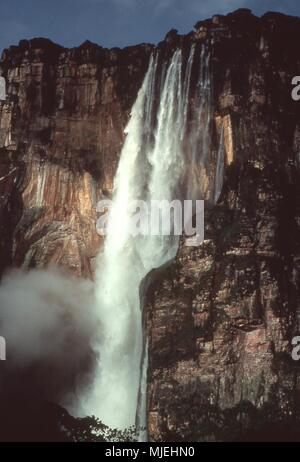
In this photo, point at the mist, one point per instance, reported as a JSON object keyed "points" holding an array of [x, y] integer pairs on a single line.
{"points": [[48, 321]]}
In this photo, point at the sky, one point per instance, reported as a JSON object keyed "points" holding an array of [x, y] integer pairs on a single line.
{"points": [[116, 22]]}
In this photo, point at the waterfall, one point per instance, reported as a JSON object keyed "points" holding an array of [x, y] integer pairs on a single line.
{"points": [[198, 137], [219, 167], [151, 167]]}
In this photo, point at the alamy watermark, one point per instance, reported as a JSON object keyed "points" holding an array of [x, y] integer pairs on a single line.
{"points": [[296, 90], [2, 89], [2, 349], [158, 218], [296, 349]]}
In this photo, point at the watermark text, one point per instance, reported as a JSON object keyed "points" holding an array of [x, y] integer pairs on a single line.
{"points": [[156, 218]]}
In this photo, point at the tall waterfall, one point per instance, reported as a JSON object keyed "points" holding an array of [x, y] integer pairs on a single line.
{"points": [[152, 166]]}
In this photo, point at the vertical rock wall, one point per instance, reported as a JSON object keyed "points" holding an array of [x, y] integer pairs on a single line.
{"points": [[221, 317], [61, 132]]}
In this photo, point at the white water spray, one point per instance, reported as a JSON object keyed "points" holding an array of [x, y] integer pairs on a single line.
{"points": [[151, 167]]}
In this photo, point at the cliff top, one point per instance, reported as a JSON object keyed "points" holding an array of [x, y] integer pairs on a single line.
{"points": [[239, 21]]}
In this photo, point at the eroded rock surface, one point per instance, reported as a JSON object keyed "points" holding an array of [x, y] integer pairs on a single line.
{"points": [[222, 316], [61, 133]]}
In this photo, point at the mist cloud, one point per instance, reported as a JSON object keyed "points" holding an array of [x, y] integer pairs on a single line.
{"points": [[49, 324]]}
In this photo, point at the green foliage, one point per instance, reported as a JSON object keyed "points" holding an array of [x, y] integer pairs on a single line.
{"points": [[91, 429]]}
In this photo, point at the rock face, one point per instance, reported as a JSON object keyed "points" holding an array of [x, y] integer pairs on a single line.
{"points": [[220, 317], [61, 132]]}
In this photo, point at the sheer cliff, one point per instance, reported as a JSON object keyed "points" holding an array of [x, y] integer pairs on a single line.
{"points": [[221, 316], [61, 133]]}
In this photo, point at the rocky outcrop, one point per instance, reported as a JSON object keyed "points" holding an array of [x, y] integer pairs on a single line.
{"points": [[220, 317]]}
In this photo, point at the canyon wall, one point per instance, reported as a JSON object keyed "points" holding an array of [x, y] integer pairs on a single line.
{"points": [[61, 132], [221, 316]]}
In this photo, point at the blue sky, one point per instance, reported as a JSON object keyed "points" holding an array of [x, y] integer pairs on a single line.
{"points": [[115, 22]]}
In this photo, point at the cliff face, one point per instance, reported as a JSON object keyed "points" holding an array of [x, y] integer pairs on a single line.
{"points": [[61, 132], [220, 318]]}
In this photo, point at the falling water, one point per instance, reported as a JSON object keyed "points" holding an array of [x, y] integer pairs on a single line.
{"points": [[151, 166], [219, 168], [198, 137]]}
